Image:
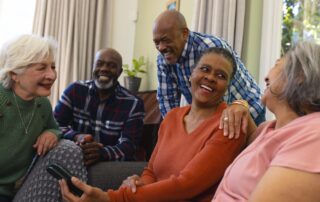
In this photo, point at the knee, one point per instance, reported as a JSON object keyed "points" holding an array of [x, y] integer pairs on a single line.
{"points": [[66, 149]]}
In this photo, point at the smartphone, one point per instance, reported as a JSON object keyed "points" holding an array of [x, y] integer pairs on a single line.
{"points": [[59, 172]]}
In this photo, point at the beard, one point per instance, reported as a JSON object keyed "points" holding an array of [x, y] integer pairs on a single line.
{"points": [[104, 86]]}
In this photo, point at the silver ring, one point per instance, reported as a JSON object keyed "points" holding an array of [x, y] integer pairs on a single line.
{"points": [[226, 118]]}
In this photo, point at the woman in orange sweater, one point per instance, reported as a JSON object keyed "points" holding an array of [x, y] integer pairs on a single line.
{"points": [[192, 153]]}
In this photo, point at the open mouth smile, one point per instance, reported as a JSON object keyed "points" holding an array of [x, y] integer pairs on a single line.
{"points": [[207, 88]]}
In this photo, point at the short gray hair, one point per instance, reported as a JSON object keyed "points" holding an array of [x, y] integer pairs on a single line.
{"points": [[302, 73], [17, 54]]}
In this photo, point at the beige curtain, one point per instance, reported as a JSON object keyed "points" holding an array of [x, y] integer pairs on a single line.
{"points": [[81, 28], [221, 18], [270, 40]]}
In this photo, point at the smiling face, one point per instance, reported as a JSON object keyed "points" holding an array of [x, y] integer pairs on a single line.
{"points": [[210, 79], [274, 84], [170, 43], [36, 80], [170, 34], [107, 68]]}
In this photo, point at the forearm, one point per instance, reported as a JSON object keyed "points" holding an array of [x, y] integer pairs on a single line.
{"points": [[63, 114], [148, 176], [64, 120], [120, 152]]}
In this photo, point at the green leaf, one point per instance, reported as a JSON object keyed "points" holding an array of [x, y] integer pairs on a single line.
{"points": [[136, 67]]}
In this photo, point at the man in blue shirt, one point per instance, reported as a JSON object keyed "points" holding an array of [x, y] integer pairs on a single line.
{"points": [[99, 114], [179, 48]]}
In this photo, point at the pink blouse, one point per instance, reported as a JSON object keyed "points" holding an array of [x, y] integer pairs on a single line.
{"points": [[296, 145]]}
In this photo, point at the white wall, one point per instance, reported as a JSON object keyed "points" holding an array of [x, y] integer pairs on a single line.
{"points": [[124, 29], [16, 17], [144, 46], [252, 37]]}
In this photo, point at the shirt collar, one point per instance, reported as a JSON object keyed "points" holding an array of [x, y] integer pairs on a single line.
{"points": [[187, 47]]}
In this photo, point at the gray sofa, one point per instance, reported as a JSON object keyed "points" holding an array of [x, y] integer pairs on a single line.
{"points": [[109, 175]]}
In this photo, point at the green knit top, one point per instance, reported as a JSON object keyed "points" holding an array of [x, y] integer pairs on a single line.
{"points": [[16, 151]]}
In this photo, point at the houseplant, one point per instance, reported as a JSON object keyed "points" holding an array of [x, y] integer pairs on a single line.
{"points": [[132, 81]]}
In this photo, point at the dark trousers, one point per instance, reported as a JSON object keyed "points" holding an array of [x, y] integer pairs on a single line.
{"points": [[5, 198]]}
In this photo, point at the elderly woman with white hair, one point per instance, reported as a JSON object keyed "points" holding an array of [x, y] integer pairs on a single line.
{"points": [[27, 125], [282, 163]]}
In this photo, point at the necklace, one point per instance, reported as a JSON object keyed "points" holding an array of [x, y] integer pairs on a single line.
{"points": [[26, 126]]}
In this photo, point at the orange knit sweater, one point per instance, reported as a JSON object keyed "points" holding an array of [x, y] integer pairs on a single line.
{"points": [[184, 167]]}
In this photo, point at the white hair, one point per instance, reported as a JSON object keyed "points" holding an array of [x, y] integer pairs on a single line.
{"points": [[302, 72], [17, 54]]}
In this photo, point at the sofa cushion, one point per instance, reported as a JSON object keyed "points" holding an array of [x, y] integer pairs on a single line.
{"points": [[109, 175]]}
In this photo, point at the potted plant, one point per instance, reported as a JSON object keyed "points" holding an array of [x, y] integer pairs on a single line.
{"points": [[132, 81]]}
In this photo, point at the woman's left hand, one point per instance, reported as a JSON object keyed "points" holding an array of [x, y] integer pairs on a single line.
{"points": [[89, 193], [234, 119], [132, 182], [45, 142]]}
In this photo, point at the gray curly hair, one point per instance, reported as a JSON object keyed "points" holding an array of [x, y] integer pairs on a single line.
{"points": [[17, 54], [302, 73]]}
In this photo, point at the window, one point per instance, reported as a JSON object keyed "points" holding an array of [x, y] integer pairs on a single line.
{"points": [[16, 17], [301, 21]]}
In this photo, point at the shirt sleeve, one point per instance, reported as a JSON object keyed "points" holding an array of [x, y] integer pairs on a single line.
{"points": [[52, 125], [63, 113], [195, 178], [300, 152], [148, 175], [130, 136], [168, 93]]}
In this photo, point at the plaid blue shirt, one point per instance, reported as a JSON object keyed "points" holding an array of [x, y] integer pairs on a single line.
{"points": [[174, 79], [115, 122]]}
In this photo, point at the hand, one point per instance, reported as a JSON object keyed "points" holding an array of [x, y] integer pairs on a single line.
{"points": [[91, 152], [83, 138], [89, 193], [234, 119], [45, 142], [132, 182]]}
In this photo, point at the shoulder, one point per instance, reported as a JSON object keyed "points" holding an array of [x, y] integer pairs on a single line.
{"points": [[306, 125], [126, 96], [43, 101], [80, 84], [206, 41], [264, 125], [298, 142], [79, 87]]}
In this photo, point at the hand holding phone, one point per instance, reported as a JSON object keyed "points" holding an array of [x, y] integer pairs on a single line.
{"points": [[58, 172]]}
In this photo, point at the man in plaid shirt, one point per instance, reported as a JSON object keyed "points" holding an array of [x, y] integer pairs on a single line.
{"points": [[179, 48], [100, 115]]}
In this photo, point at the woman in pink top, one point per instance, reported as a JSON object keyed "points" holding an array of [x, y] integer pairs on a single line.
{"points": [[192, 153], [283, 163]]}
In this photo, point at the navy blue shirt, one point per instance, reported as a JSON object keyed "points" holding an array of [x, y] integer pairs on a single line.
{"points": [[116, 122]]}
